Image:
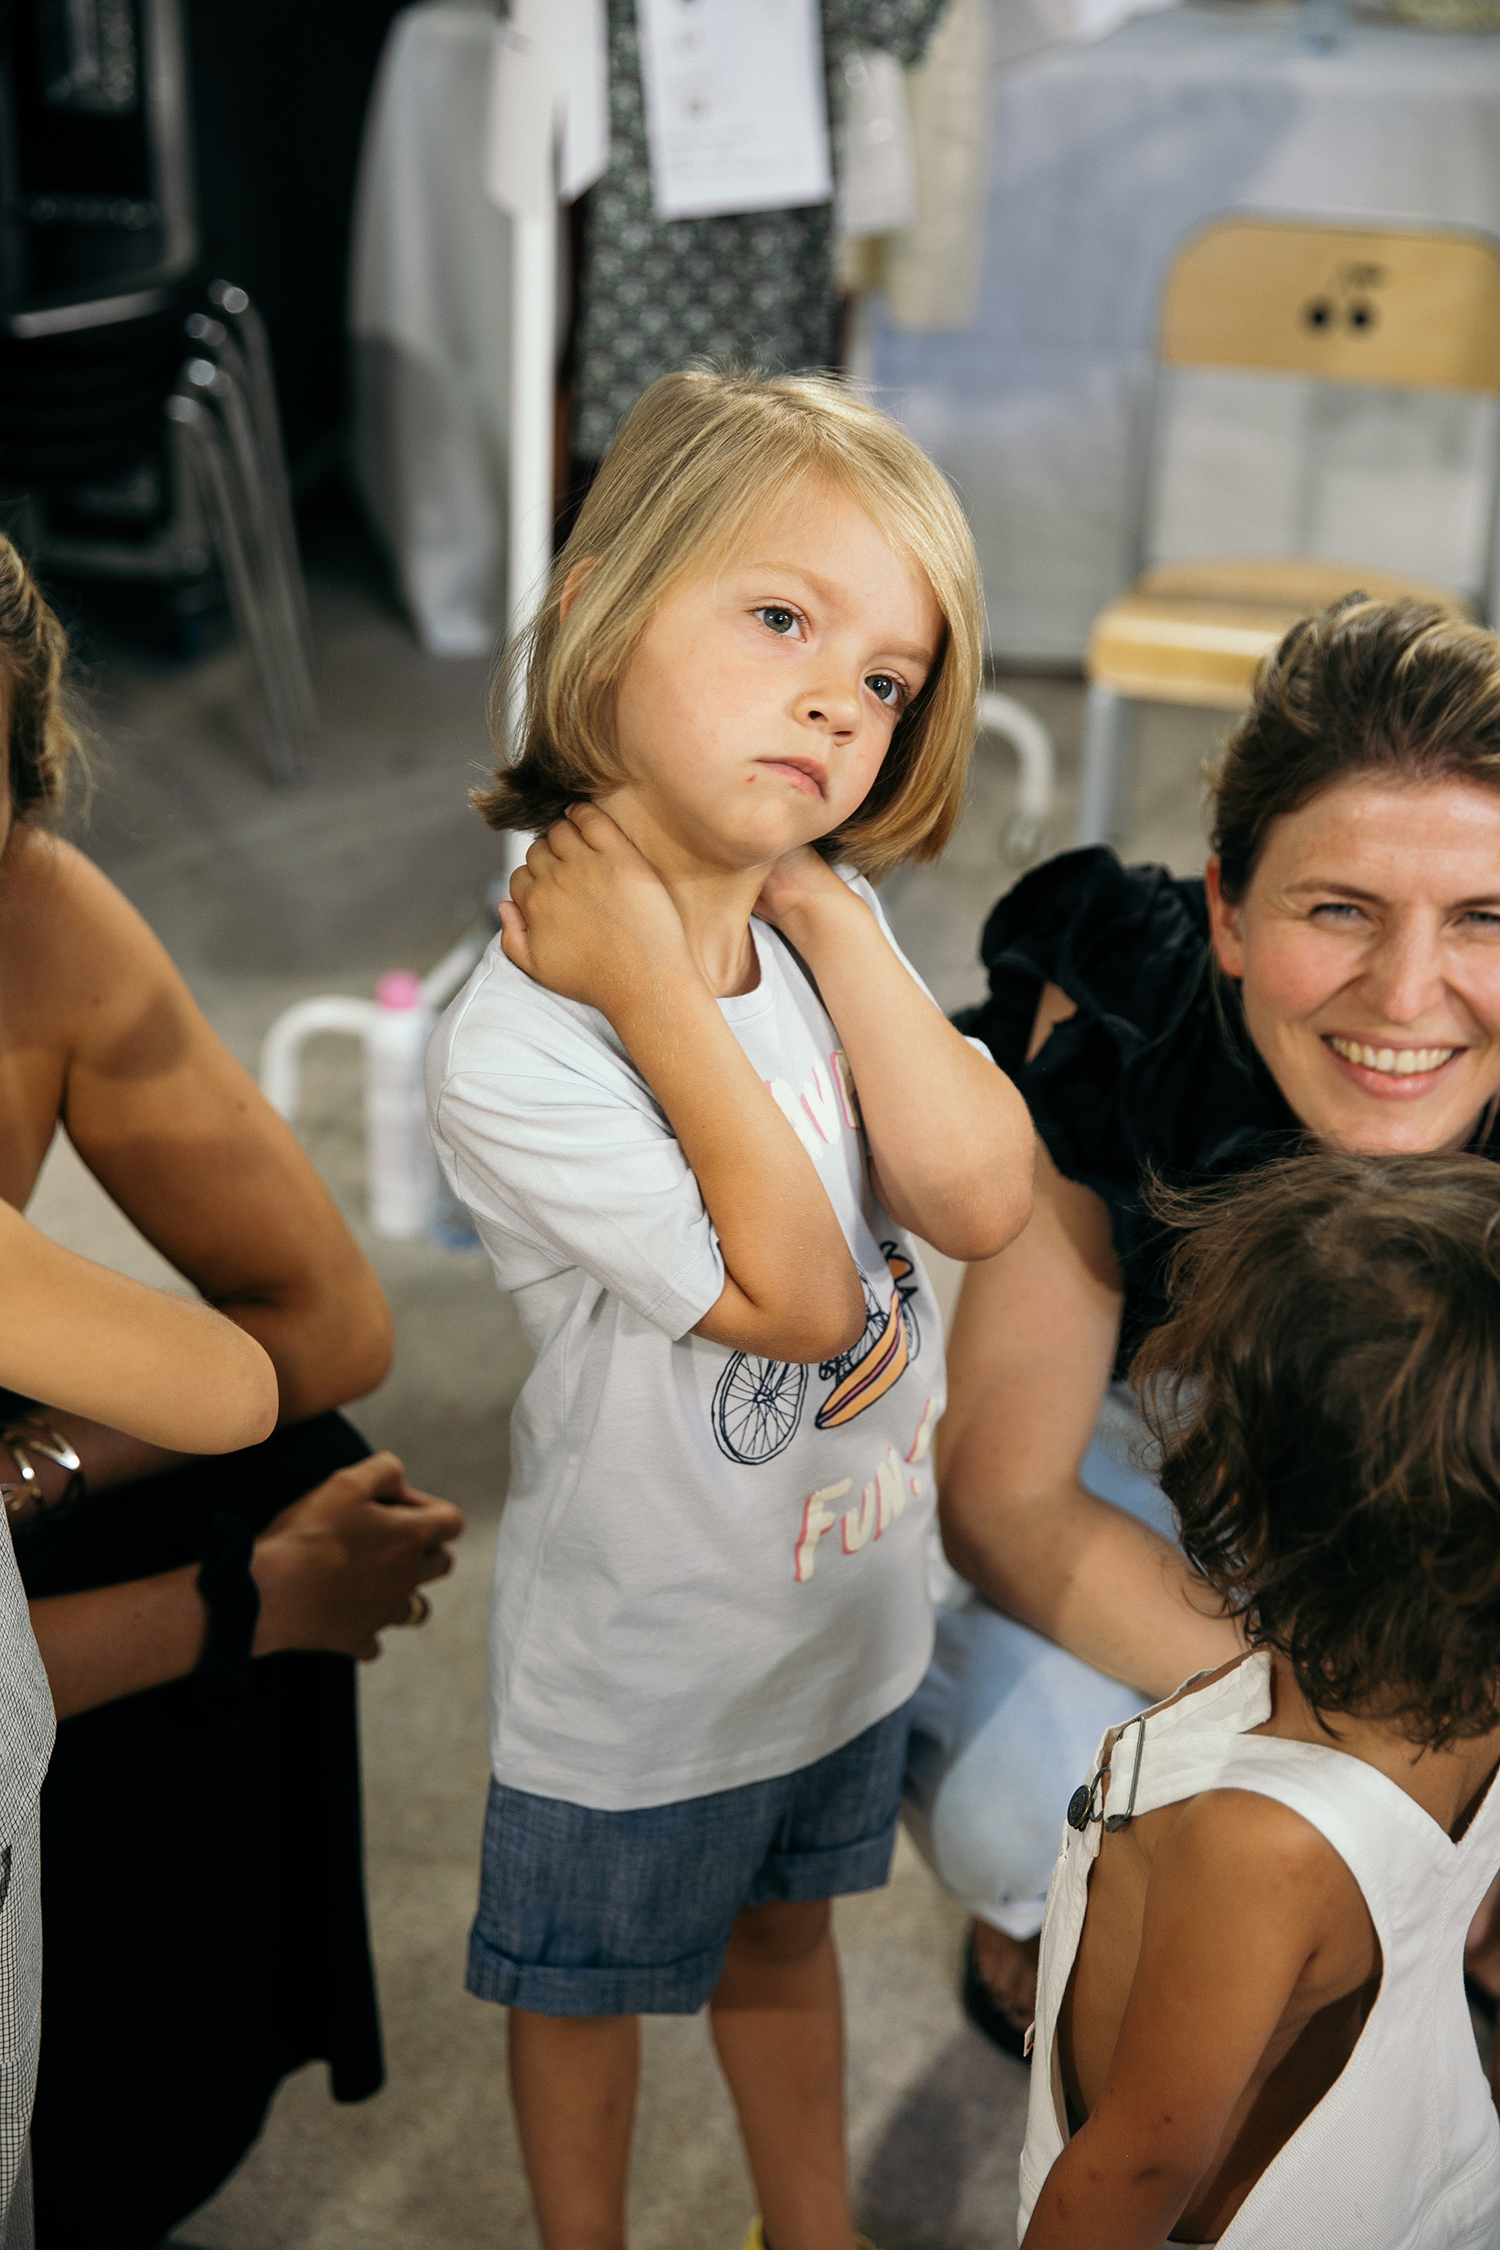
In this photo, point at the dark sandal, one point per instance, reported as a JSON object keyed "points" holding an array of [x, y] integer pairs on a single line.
{"points": [[985, 2012]]}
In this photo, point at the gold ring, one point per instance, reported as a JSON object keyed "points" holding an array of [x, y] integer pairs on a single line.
{"points": [[418, 1610]]}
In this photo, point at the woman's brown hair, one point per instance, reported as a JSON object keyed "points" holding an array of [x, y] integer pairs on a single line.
{"points": [[33, 655], [700, 457], [1326, 1400], [1407, 688]]}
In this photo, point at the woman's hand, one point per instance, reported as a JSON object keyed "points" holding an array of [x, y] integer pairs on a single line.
{"points": [[589, 917], [333, 1570], [343, 1562]]}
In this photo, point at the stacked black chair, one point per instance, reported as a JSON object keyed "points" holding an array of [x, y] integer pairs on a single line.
{"points": [[139, 436]]}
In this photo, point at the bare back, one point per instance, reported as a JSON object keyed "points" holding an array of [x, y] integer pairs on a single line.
{"points": [[1235, 1931]]}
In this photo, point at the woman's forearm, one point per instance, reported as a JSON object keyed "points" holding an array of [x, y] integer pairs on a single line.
{"points": [[116, 1640], [332, 1572], [108, 1457], [1103, 1585]]}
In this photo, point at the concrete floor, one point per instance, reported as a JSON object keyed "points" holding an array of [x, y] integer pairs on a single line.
{"points": [[264, 896]]}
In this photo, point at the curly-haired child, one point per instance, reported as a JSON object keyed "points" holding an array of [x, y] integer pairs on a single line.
{"points": [[1251, 2026]]}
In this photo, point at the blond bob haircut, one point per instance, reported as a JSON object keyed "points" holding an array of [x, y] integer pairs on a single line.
{"points": [[700, 458]]}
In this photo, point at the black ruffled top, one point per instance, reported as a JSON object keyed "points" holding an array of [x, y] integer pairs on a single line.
{"points": [[1155, 1069]]}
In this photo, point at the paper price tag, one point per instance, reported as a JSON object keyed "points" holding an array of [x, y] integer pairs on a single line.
{"points": [[735, 107]]}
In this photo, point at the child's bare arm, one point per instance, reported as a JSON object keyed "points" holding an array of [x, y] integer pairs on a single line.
{"points": [[950, 1138], [594, 923], [1243, 1896], [169, 1371]]}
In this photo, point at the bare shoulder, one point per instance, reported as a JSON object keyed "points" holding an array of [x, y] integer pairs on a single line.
{"points": [[1268, 1869], [74, 949], [45, 873], [1221, 1823]]}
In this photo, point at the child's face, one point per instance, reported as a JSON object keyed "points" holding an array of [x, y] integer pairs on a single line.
{"points": [[762, 696], [1368, 942]]}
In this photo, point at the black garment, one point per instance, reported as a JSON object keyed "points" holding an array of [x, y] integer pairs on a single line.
{"points": [[202, 1889], [1155, 1070]]}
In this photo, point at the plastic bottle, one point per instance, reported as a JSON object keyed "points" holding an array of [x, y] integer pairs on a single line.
{"points": [[403, 1171]]}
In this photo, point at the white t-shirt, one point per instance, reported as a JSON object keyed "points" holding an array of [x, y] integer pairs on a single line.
{"points": [[710, 1567]]}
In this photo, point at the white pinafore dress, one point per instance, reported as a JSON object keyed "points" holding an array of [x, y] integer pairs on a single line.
{"points": [[1403, 2151]]}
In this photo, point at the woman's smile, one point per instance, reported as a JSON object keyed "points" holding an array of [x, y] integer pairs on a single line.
{"points": [[1391, 1071], [1367, 952]]}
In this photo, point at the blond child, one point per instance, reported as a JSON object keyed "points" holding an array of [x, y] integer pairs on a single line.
{"points": [[699, 1104], [1251, 2025]]}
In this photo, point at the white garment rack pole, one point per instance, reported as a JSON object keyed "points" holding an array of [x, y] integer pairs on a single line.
{"points": [[533, 337]]}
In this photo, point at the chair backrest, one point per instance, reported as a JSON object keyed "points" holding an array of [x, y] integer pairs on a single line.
{"points": [[1367, 360], [1408, 308], [95, 150]]}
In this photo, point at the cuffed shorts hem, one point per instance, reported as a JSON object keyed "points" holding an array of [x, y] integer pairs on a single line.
{"points": [[583, 1912], [669, 1988]]}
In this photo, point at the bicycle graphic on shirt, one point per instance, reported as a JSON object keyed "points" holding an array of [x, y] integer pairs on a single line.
{"points": [[758, 1403]]}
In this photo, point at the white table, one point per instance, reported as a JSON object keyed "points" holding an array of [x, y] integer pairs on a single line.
{"points": [[1104, 157]]}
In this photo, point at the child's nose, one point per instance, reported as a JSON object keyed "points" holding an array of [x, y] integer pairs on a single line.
{"points": [[831, 707]]}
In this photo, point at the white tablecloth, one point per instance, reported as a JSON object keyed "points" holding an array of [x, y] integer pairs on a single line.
{"points": [[1104, 158]]}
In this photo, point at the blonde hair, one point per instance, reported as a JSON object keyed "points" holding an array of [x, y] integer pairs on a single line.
{"points": [[33, 654], [702, 454]]}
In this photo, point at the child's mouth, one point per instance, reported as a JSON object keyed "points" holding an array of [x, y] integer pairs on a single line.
{"points": [[803, 773]]}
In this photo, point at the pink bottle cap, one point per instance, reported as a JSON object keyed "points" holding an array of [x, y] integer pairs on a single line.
{"points": [[399, 988]]}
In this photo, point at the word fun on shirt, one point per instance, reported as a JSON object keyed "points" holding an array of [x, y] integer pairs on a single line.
{"points": [[881, 1501]]}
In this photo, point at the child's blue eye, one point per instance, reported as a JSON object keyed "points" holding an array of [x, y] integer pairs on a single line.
{"points": [[777, 619], [887, 689]]}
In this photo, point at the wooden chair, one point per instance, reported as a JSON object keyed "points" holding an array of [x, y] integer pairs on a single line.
{"points": [[1414, 309]]}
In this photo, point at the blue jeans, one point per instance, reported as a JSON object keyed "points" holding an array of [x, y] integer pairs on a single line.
{"points": [[1005, 1725]]}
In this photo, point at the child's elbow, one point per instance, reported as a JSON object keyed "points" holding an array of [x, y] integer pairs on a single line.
{"points": [[814, 1328], [246, 1403], [985, 1221], [808, 1328]]}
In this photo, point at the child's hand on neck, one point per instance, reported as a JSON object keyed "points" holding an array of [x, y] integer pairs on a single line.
{"points": [[590, 918], [797, 885]]}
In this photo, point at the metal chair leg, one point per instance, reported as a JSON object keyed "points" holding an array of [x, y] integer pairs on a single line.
{"points": [[277, 573], [241, 317], [1108, 767], [205, 452], [1023, 730]]}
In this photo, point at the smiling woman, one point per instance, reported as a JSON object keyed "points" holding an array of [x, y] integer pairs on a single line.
{"points": [[1336, 974]]}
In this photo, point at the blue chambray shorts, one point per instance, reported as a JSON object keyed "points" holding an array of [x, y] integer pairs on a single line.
{"points": [[586, 1913]]}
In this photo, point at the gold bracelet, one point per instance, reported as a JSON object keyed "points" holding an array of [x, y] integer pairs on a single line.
{"points": [[25, 1499]]}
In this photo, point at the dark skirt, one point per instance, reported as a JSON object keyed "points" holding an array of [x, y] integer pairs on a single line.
{"points": [[203, 1902]]}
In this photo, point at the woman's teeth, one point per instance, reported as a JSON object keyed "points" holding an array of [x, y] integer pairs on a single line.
{"points": [[1396, 1062]]}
